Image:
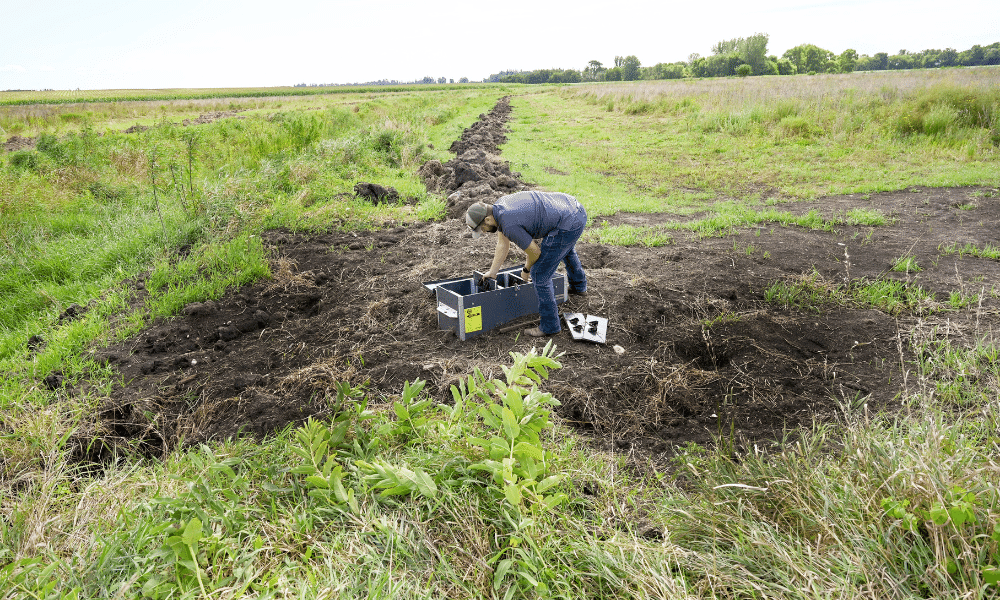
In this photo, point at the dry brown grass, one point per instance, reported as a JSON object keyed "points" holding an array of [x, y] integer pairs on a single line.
{"points": [[718, 93]]}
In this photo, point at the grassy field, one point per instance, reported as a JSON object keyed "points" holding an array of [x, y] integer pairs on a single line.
{"points": [[403, 498], [687, 146]]}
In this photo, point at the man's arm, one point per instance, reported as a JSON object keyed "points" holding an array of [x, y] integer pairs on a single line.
{"points": [[533, 251], [503, 247]]}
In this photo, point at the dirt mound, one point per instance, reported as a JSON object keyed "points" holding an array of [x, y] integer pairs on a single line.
{"points": [[16, 142], [477, 173], [375, 193], [704, 352], [213, 116]]}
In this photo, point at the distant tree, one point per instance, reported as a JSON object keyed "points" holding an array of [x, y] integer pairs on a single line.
{"points": [[785, 67], [692, 58], [442, 80], [673, 71], [880, 61], [539, 76], [753, 51], [464, 80], [809, 58], [699, 67], [991, 56], [501, 76], [744, 70], [847, 61], [972, 57], [725, 47], [899, 62], [948, 57], [613, 74], [630, 68], [719, 65], [593, 69], [426, 80], [571, 76], [619, 61]]}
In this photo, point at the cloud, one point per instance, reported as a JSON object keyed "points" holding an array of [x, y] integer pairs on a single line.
{"points": [[12, 69]]}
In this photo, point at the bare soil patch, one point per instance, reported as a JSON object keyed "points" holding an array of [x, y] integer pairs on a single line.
{"points": [[703, 351], [16, 142]]}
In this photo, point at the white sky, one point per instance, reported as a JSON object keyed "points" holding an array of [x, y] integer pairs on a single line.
{"points": [[111, 44]]}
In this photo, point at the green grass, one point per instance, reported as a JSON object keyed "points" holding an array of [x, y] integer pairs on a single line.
{"points": [[906, 264], [628, 235], [707, 141], [988, 251], [813, 292], [486, 496], [871, 217]]}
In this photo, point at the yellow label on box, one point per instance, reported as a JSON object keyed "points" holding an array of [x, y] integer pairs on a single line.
{"points": [[473, 319]]}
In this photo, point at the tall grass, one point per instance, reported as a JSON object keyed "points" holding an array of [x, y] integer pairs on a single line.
{"points": [[681, 146], [789, 95], [957, 106]]}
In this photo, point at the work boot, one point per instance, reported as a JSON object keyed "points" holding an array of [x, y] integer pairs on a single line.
{"points": [[537, 332], [582, 294]]}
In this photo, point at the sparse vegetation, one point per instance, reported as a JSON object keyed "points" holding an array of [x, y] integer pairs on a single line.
{"points": [[906, 264], [987, 251]]}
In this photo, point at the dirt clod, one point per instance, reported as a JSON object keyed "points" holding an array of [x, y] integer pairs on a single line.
{"points": [[375, 193]]}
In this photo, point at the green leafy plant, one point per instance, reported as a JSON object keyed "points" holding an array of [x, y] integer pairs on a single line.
{"points": [[318, 445], [514, 455], [33, 578], [410, 412], [963, 535], [203, 550], [397, 480]]}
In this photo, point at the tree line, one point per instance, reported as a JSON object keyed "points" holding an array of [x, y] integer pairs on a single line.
{"points": [[745, 57]]}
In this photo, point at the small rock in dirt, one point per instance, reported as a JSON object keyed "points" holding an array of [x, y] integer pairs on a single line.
{"points": [[262, 318], [201, 309], [619, 350]]}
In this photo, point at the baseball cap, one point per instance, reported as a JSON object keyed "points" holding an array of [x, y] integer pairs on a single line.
{"points": [[474, 217]]}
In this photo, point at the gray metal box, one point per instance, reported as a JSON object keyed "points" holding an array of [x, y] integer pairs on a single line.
{"points": [[469, 311]]}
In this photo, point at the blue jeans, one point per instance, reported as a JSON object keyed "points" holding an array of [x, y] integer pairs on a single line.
{"points": [[558, 246]]}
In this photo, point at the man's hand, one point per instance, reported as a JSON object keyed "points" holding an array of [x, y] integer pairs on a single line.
{"points": [[487, 283]]}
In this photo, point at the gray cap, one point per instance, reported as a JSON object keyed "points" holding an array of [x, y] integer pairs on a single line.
{"points": [[474, 217]]}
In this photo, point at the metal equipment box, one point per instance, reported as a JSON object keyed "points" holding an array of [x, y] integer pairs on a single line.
{"points": [[464, 307]]}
